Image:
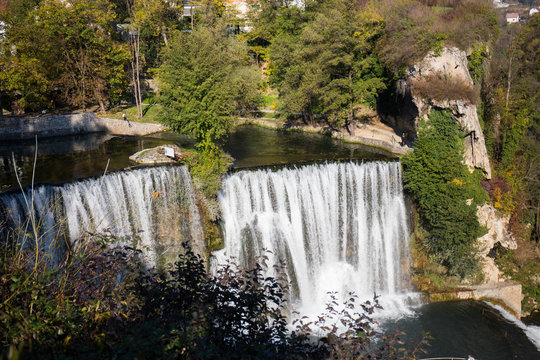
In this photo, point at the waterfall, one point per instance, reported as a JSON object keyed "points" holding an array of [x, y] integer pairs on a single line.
{"points": [[335, 227], [156, 204]]}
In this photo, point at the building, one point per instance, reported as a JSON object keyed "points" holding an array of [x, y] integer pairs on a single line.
{"points": [[533, 11], [512, 18]]}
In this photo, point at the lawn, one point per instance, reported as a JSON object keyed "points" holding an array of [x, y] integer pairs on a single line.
{"points": [[150, 112], [271, 100]]}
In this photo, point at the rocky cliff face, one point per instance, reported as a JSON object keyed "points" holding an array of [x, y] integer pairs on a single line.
{"points": [[498, 234], [451, 63]]}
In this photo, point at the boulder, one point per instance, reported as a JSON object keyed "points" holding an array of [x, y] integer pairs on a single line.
{"points": [[157, 155]]}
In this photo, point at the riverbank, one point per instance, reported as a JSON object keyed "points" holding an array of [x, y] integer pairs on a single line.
{"points": [[375, 135], [20, 128]]}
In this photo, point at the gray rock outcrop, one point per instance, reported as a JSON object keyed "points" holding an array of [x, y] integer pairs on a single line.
{"points": [[498, 233], [451, 63], [156, 155]]}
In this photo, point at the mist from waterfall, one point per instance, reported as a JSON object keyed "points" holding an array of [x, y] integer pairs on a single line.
{"points": [[335, 228], [156, 204]]}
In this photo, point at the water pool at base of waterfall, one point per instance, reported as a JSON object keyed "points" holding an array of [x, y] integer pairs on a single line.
{"points": [[461, 328]]}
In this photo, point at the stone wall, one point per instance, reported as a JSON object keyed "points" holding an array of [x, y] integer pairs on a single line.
{"points": [[506, 293], [70, 124]]}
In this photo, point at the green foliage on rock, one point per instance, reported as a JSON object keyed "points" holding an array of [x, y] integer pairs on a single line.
{"points": [[441, 184], [477, 61], [526, 273]]}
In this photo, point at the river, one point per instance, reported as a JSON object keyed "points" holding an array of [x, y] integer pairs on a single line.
{"points": [[457, 328]]}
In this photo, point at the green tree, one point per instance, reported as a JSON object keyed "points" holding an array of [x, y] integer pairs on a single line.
{"points": [[204, 79], [330, 68], [62, 51], [268, 19]]}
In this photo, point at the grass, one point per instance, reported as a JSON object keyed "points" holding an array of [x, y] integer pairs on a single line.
{"points": [[271, 101], [150, 112], [441, 9]]}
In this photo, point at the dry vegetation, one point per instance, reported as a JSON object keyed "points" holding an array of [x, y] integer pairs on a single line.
{"points": [[438, 87], [413, 28]]}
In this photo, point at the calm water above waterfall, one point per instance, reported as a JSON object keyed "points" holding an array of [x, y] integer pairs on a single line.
{"points": [[70, 157]]}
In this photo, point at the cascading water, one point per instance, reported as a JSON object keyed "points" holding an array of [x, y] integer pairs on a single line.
{"points": [[157, 204], [335, 228]]}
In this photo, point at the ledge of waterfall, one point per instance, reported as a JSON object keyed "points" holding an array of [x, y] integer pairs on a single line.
{"points": [[154, 156]]}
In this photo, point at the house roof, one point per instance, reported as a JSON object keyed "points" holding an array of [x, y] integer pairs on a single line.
{"points": [[512, 15], [3, 4]]}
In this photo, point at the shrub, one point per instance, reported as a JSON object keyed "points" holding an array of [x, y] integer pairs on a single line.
{"points": [[438, 87], [408, 37], [105, 305], [500, 193], [58, 309], [476, 60], [240, 313]]}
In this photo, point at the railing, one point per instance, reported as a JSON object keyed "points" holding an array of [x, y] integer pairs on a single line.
{"points": [[444, 358]]}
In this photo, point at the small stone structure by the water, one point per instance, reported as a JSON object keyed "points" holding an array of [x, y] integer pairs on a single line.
{"points": [[157, 155], [71, 124]]}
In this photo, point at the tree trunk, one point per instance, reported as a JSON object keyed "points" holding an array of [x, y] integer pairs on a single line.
{"points": [[191, 13], [101, 105], [164, 34], [139, 108], [310, 113], [509, 80], [135, 74]]}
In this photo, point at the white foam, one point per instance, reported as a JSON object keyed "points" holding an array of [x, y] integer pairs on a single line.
{"points": [[337, 228], [532, 331]]}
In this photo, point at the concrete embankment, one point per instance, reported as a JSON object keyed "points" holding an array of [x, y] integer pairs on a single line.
{"points": [[507, 293], [70, 124], [379, 136]]}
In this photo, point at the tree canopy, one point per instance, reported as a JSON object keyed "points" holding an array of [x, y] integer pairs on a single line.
{"points": [[61, 52], [204, 80]]}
